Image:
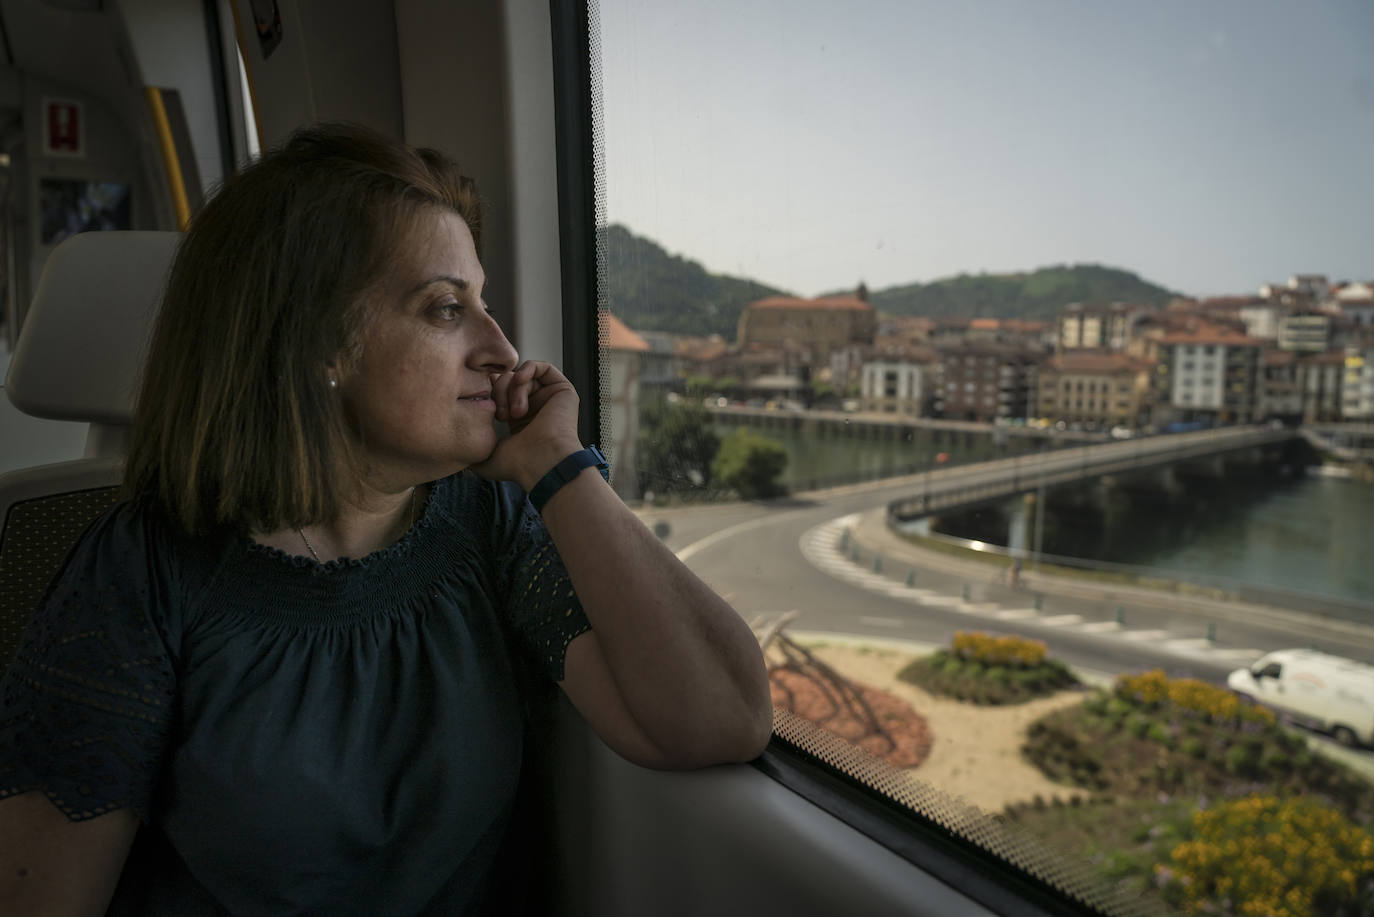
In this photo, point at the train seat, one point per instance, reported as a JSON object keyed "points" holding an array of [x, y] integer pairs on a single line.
{"points": [[77, 359]]}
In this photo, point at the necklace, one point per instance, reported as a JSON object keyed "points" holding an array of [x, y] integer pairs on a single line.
{"points": [[311, 548]]}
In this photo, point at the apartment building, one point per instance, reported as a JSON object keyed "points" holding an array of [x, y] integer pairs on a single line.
{"points": [[1309, 330], [894, 386], [1084, 327], [1357, 385], [1321, 377], [986, 381], [1211, 376], [1280, 395], [1101, 389]]}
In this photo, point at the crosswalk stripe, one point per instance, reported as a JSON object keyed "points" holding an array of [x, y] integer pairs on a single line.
{"points": [[882, 622], [1189, 643], [1099, 627], [1061, 620], [1239, 654], [1144, 634], [1015, 614]]}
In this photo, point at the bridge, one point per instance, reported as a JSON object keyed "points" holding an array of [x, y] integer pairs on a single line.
{"points": [[1349, 442], [987, 482]]}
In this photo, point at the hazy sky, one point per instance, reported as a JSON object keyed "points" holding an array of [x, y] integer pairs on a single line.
{"points": [[1208, 146]]}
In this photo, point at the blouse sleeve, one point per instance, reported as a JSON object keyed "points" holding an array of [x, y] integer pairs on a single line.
{"points": [[541, 605], [86, 704]]}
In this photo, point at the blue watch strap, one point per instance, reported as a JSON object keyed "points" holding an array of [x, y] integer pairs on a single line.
{"points": [[565, 471]]}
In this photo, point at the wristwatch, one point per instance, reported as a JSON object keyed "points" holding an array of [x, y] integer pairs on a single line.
{"points": [[565, 471]]}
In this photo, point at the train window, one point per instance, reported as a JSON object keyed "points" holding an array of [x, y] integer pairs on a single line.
{"points": [[1048, 616]]}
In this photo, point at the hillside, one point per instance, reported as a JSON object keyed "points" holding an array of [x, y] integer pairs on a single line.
{"points": [[1040, 294], [651, 290]]}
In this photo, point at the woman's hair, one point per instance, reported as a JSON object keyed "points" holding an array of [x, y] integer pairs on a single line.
{"points": [[235, 423]]}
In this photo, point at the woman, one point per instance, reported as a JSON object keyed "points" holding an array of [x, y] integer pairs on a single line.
{"points": [[293, 653]]}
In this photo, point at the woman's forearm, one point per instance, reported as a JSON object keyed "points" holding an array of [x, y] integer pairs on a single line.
{"points": [[685, 664]]}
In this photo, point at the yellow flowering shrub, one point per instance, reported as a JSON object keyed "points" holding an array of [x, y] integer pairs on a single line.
{"points": [[1264, 856], [993, 650], [1153, 689]]}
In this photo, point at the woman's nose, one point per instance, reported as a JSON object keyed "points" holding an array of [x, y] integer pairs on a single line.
{"points": [[496, 354]]}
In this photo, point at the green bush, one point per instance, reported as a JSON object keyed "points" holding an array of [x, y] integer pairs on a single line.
{"points": [[1138, 725], [750, 464], [1242, 758], [676, 446], [1194, 748]]}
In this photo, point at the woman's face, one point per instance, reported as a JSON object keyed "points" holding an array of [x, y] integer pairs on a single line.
{"points": [[419, 396]]}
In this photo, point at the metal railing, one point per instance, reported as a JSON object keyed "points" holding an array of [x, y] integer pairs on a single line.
{"points": [[986, 482]]}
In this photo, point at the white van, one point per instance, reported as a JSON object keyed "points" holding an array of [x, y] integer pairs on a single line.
{"points": [[1327, 692]]}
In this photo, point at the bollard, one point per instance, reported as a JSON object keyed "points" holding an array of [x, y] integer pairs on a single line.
{"points": [[1120, 615], [877, 563], [1039, 601], [1211, 632], [844, 540], [964, 592], [911, 577], [854, 553]]}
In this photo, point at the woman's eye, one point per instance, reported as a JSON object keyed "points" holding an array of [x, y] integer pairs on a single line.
{"points": [[448, 311]]}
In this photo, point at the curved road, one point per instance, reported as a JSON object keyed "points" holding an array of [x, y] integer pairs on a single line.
{"points": [[752, 553]]}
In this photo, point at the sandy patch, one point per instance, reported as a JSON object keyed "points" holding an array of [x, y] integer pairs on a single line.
{"points": [[976, 750]]}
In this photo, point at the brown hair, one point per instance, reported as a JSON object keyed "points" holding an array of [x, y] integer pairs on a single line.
{"points": [[235, 424]]}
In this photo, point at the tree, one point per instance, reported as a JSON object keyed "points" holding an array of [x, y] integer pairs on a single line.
{"points": [[676, 446], [750, 464]]}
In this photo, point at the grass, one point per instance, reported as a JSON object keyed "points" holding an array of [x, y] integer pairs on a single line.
{"points": [[1110, 577]]}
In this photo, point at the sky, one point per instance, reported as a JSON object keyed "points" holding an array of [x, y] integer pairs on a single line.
{"points": [[1210, 146]]}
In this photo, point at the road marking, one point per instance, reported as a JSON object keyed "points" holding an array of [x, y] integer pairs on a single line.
{"points": [[821, 546], [1144, 634], [882, 622], [1239, 655], [723, 534]]}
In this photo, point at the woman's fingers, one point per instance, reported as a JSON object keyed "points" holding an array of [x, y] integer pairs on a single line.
{"points": [[512, 391]]}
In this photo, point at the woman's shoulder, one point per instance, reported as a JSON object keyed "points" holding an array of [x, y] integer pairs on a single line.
{"points": [[469, 499]]}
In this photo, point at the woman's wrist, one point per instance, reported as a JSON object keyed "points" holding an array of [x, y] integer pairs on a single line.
{"points": [[542, 460]]}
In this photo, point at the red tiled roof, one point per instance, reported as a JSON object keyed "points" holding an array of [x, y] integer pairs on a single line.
{"points": [[1097, 363], [1212, 336], [824, 302], [619, 336]]}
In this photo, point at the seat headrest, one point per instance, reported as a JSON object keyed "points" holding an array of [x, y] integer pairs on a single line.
{"points": [[86, 331]]}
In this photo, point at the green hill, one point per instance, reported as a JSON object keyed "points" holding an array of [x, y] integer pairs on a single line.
{"points": [[651, 290], [1040, 294]]}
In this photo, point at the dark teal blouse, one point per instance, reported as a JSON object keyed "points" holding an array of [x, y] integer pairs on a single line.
{"points": [[340, 738]]}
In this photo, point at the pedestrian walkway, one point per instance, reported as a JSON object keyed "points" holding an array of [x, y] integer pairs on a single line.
{"points": [[861, 550]]}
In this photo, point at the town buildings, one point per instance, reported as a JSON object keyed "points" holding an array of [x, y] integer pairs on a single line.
{"points": [[1297, 351]]}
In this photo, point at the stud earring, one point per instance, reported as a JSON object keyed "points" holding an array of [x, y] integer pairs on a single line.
{"points": [[333, 383]]}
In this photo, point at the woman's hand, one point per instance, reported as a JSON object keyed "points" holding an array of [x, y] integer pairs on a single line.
{"points": [[539, 405]]}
